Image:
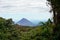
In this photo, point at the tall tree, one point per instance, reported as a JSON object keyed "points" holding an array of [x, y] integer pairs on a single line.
{"points": [[55, 5]]}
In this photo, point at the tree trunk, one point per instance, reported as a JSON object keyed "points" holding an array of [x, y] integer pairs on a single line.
{"points": [[58, 18], [54, 18]]}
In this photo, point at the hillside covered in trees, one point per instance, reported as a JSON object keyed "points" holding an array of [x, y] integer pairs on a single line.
{"points": [[11, 31]]}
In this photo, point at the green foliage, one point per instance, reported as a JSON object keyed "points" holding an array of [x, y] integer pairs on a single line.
{"points": [[55, 7], [10, 31], [44, 32], [7, 30]]}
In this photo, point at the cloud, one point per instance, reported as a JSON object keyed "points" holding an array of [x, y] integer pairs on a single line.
{"points": [[16, 9], [22, 5]]}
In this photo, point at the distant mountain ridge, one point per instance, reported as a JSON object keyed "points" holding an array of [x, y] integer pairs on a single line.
{"points": [[25, 22]]}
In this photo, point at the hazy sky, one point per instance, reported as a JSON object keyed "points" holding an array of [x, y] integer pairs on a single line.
{"points": [[29, 9]]}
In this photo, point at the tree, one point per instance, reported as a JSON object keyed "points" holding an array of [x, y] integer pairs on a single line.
{"points": [[55, 5]]}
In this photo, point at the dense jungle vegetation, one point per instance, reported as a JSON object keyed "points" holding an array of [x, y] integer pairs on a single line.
{"points": [[11, 31]]}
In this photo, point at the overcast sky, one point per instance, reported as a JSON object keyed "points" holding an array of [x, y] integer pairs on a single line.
{"points": [[29, 9]]}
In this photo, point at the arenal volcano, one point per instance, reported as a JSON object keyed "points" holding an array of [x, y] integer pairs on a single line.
{"points": [[25, 22]]}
